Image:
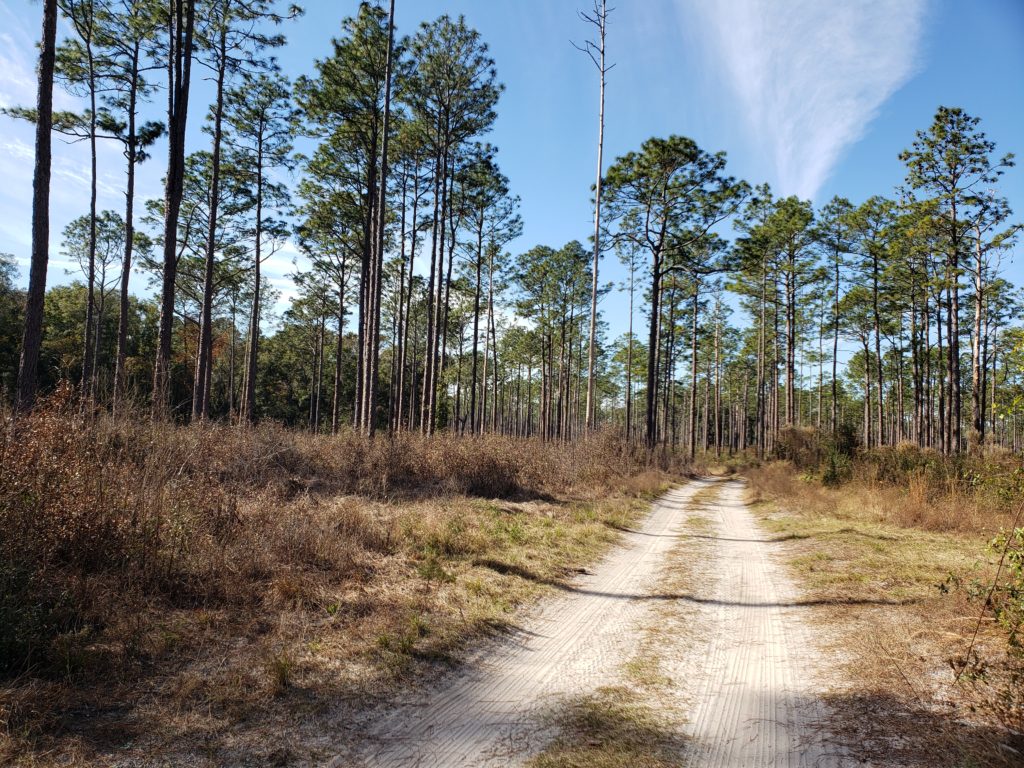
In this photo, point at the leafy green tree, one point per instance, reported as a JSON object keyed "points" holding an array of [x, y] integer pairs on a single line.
{"points": [[62, 354], [231, 238], [12, 302], [97, 245], [104, 60], [370, 352], [833, 234], [260, 117], [789, 229], [756, 273], [908, 258], [857, 309], [344, 108], [334, 250], [990, 242], [81, 70], [630, 255], [233, 42], [553, 291], [125, 30], [493, 218], [410, 165], [871, 225], [452, 93]]}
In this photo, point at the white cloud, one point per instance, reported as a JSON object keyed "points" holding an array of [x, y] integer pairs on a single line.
{"points": [[17, 60], [18, 57], [18, 86], [810, 75], [69, 189]]}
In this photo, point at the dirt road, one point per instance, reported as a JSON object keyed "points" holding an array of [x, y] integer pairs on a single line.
{"points": [[749, 674], [759, 674]]}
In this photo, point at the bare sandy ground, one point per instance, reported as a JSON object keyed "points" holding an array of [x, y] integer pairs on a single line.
{"points": [[750, 674], [758, 676]]}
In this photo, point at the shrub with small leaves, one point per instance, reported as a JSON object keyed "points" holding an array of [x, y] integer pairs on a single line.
{"points": [[1000, 685]]}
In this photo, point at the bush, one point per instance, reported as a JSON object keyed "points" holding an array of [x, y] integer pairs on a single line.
{"points": [[993, 480], [802, 446], [98, 514], [837, 470], [1008, 598], [809, 450], [1000, 682]]}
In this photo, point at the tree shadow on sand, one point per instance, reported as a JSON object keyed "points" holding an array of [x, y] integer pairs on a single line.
{"points": [[881, 727]]}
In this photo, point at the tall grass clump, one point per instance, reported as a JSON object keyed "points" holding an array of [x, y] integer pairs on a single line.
{"points": [[102, 516], [904, 484], [970, 499]]}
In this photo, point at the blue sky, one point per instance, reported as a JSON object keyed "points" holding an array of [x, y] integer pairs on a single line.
{"points": [[815, 97]]}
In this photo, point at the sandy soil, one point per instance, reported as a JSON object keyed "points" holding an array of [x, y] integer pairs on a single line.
{"points": [[758, 676], [751, 673]]}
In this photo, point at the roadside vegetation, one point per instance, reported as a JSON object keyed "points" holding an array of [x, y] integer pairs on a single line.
{"points": [[175, 553], [917, 559], [161, 584], [612, 727]]}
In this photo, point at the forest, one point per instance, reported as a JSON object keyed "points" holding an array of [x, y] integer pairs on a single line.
{"points": [[427, 360], [416, 316]]}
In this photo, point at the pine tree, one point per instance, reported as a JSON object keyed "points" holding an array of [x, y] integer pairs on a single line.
{"points": [[677, 192], [28, 366], [452, 92], [176, 53], [952, 162], [260, 121]]}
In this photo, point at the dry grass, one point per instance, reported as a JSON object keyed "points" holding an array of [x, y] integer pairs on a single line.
{"points": [[611, 728], [979, 505], [656, 666], [885, 563], [184, 592]]}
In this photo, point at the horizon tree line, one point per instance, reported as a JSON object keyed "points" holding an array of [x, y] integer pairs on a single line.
{"points": [[415, 316]]}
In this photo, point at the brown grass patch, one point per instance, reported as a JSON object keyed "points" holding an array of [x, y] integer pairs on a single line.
{"points": [[184, 592], [886, 569], [609, 729], [919, 501]]}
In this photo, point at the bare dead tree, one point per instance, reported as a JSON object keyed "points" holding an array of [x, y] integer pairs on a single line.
{"points": [[598, 17]]}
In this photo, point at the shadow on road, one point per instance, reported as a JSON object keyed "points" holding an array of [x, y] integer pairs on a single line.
{"points": [[526, 573]]}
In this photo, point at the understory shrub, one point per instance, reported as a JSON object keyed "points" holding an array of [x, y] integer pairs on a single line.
{"points": [[999, 685], [975, 494], [98, 512]]}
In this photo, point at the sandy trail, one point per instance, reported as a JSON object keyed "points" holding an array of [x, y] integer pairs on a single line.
{"points": [[756, 701], [750, 707]]}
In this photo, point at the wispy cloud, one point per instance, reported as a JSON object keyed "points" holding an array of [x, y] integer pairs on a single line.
{"points": [[811, 75]]}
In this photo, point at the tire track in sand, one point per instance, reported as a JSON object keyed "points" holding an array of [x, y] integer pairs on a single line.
{"points": [[572, 644], [757, 698], [751, 679]]}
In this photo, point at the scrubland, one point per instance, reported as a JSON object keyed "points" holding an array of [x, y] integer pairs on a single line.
{"points": [[918, 560], [186, 591], [180, 594]]}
